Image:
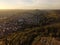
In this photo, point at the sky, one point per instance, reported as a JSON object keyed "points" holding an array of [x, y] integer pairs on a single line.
{"points": [[29, 4]]}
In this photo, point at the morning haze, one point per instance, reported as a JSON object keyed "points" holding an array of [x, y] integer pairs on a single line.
{"points": [[29, 4]]}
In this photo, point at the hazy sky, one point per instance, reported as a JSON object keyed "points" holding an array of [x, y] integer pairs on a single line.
{"points": [[29, 4]]}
